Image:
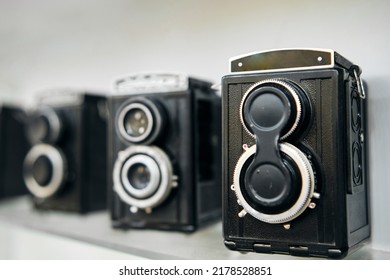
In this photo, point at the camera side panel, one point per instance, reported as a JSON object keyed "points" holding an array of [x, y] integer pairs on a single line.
{"points": [[178, 210], [13, 147], [357, 191], [207, 154], [94, 153]]}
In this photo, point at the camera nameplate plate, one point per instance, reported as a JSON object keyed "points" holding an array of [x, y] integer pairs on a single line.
{"points": [[287, 60]]}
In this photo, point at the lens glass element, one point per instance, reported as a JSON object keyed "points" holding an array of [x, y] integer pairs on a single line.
{"points": [[42, 171], [39, 128], [139, 176], [136, 122], [267, 110]]}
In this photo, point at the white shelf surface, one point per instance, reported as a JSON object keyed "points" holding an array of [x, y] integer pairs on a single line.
{"points": [[95, 229]]}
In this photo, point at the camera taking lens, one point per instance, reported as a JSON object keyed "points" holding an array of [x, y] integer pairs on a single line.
{"points": [[143, 176], [139, 176], [44, 170]]}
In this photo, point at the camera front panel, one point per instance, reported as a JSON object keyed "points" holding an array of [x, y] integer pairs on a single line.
{"points": [[165, 154], [316, 219], [65, 167], [169, 154], [52, 167]]}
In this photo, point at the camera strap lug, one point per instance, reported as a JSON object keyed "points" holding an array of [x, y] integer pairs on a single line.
{"points": [[354, 70], [359, 84]]}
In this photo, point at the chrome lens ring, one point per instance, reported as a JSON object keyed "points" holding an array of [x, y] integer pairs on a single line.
{"points": [[54, 126], [165, 172], [153, 169], [304, 198], [58, 163]]}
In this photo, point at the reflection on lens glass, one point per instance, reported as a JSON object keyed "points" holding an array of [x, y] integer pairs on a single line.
{"points": [[136, 122], [39, 128], [139, 176], [42, 171]]}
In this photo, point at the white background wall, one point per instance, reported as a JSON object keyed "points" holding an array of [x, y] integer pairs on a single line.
{"points": [[49, 43]]}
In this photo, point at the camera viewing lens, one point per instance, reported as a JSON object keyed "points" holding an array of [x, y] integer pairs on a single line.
{"points": [[139, 176], [267, 103], [140, 120], [268, 183], [267, 110], [42, 170], [136, 122], [44, 126], [40, 127]]}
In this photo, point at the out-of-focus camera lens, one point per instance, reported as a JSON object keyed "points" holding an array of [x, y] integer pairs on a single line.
{"points": [[262, 106], [44, 126], [137, 122], [44, 170], [143, 176], [139, 176], [40, 127], [140, 120]]}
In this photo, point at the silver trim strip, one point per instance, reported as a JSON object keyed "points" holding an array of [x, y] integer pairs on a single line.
{"points": [[60, 97], [150, 83]]}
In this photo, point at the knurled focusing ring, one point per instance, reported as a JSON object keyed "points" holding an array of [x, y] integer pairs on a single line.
{"points": [[306, 191]]}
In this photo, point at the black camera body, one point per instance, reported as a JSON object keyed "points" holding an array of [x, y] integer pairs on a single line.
{"points": [[164, 134], [65, 168], [294, 154], [13, 147]]}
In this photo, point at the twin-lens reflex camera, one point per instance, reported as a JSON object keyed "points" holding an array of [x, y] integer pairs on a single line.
{"points": [[164, 153], [294, 153]]}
